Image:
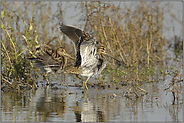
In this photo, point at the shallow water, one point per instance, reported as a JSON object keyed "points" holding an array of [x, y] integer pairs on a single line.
{"points": [[95, 105]]}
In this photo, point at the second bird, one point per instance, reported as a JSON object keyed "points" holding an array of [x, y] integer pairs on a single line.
{"points": [[50, 60]]}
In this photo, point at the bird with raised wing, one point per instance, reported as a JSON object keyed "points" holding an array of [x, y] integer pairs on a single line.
{"points": [[90, 57]]}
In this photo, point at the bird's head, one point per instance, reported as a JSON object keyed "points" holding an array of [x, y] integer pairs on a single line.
{"points": [[101, 49], [61, 51]]}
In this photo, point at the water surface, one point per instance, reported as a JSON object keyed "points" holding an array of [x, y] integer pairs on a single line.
{"points": [[95, 105]]}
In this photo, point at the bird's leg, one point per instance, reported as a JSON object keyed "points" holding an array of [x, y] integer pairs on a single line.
{"points": [[45, 78], [85, 95], [79, 77], [84, 83]]}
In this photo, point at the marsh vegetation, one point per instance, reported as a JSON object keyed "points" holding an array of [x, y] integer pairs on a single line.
{"points": [[132, 33]]}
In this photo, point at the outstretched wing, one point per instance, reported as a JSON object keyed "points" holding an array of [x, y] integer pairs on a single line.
{"points": [[78, 37], [75, 35], [72, 32]]}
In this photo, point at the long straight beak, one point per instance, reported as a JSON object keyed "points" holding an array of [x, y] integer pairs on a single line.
{"points": [[113, 58], [69, 56]]}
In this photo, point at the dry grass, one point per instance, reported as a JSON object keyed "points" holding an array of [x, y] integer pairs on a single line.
{"points": [[132, 33]]}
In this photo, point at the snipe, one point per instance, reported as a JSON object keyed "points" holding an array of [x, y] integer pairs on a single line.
{"points": [[50, 60], [90, 59]]}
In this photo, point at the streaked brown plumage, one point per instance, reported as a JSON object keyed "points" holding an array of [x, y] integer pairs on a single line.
{"points": [[50, 60], [90, 59]]}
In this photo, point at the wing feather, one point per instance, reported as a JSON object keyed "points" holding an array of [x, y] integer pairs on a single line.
{"points": [[88, 50], [85, 44]]}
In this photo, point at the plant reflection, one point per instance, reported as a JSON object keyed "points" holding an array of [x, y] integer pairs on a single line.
{"points": [[49, 105]]}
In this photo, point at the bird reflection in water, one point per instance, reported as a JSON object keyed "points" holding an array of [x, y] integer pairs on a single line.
{"points": [[88, 112]]}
